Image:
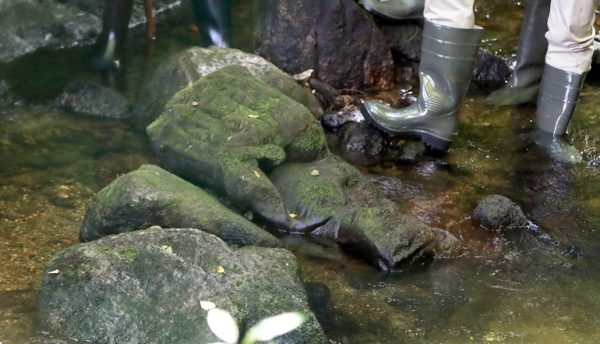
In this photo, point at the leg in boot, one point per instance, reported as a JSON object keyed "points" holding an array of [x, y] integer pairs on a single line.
{"points": [[395, 9], [447, 60], [570, 51], [109, 47], [523, 86], [213, 18]]}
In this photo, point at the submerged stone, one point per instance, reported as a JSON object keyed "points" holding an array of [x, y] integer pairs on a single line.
{"points": [[92, 100], [153, 196], [361, 219], [149, 286], [185, 68], [348, 52], [230, 128], [500, 213]]}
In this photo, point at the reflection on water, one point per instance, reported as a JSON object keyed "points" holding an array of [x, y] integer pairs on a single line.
{"points": [[543, 287]]}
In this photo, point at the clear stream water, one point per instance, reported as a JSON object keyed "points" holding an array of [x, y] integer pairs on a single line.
{"points": [[542, 287]]}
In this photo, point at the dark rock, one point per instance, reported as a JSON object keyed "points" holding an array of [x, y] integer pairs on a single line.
{"points": [[404, 39], [183, 69], [88, 99], [229, 129], [361, 144], [147, 287], [491, 71], [31, 25], [153, 196], [361, 219], [348, 52], [7, 97], [498, 212], [410, 151], [335, 120]]}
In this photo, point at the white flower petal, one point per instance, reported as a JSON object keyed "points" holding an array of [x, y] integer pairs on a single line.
{"points": [[222, 324], [275, 326]]}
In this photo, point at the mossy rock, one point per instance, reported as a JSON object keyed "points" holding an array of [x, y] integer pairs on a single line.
{"points": [[361, 219], [186, 67], [153, 196], [230, 128], [147, 287]]}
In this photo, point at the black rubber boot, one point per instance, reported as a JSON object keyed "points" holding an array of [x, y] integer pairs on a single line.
{"points": [[110, 45], [213, 18], [524, 84], [447, 60], [395, 9]]}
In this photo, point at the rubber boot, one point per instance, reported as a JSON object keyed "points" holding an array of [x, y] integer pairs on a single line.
{"points": [[523, 86], [395, 9], [110, 45], [447, 60], [214, 22], [558, 97]]}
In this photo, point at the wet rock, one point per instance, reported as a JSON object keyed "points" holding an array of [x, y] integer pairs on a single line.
{"points": [[301, 35], [30, 25], [491, 71], [7, 97], [498, 212], [410, 151], [229, 129], [361, 219], [153, 196], [93, 100], [404, 39], [335, 120], [361, 144], [183, 69], [147, 287]]}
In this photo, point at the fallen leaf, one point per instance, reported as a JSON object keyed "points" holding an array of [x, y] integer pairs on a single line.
{"points": [[292, 215], [195, 103], [256, 173], [207, 305], [53, 272], [314, 173], [220, 269], [253, 116]]}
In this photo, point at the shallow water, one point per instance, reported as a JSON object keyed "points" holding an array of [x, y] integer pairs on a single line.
{"points": [[543, 287]]}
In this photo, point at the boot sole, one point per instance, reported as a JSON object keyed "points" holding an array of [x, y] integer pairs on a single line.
{"points": [[429, 139]]}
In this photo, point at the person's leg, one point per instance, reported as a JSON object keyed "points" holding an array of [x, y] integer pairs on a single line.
{"points": [[447, 60], [213, 18], [111, 41], [570, 49], [524, 84]]}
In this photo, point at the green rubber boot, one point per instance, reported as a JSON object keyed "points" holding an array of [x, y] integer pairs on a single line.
{"points": [[559, 93], [524, 83], [447, 60], [395, 9], [214, 22], [110, 44]]}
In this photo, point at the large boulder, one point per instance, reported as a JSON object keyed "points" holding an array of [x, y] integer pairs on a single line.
{"points": [[337, 39], [361, 219], [148, 286], [228, 129], [186, 67], [153, 196]]}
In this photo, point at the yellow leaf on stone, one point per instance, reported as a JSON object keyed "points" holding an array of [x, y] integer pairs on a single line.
{"points": [[256, 173], [220, 269], [253, 116], [314, 173], [195, 103], [293, 216]]}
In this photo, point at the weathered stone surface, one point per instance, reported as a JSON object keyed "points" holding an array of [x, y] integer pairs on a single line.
{"points": [[147, 286], [183, 69], [361, 219], [500, 213], [31, 25], [89, 99], [153, 196], [361, 144], [348, 52], [228, 129]]}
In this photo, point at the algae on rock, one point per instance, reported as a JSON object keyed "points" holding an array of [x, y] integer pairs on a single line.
{"points": [[153, 196], [230, 128]]}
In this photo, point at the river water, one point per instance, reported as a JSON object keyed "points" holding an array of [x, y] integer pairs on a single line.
{"points": [[542, 287]]}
